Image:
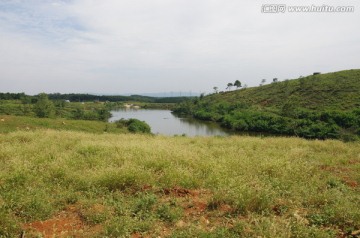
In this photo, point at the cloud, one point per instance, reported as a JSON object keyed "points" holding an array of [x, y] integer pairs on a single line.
{"points": [[136, 46]]}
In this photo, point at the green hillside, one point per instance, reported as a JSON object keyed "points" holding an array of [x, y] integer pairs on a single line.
{"points": [[339, 90], [317, 106]]}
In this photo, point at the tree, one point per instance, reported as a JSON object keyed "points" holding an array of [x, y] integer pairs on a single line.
{"points": [[275, 80], [215, 89], [229, 85], [44, 107], [262, 82], [237, 84]]}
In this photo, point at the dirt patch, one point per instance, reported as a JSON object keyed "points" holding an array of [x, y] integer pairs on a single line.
{"points": [[195, 204], [349, 182], [193, 201], [177, 191], [67, 223], [354, 161], [137, 235], [345, 174], [225, 208], [334, 169], [195, 208], [146, 187]]}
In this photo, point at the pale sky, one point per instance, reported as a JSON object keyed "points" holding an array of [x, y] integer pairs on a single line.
{"points": [[147, 46]]}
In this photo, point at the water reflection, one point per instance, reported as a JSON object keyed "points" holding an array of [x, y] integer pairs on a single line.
{"points": [[166, 123]]}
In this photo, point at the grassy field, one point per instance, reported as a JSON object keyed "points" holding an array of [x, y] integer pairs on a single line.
{"points": [[75, 184], [21, 123]]}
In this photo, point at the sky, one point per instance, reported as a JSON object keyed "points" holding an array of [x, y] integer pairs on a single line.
{"points": [[148, 46]]}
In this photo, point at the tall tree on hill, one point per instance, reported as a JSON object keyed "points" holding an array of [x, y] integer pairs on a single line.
{"points": [[215, 89], [262, 82], [237, 84], [229, 85]]}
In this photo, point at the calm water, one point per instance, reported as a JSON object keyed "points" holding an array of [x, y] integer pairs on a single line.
{"points": [[165, 123]]}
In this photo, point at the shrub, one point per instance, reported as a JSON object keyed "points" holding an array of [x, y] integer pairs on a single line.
{"points": [[134, 125], [103, 114], [44, 107], [168, 214]]}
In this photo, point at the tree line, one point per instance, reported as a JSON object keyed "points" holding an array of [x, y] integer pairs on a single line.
{"points": [[77, 97], [41, 106]]}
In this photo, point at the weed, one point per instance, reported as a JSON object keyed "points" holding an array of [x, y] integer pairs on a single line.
{"points": [[168, 214]]}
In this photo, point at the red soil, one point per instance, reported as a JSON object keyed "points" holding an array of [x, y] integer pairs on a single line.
{"points": [[67, 223]]}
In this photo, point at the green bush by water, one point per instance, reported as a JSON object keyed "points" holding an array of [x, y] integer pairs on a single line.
{"points": [[134, 125]]}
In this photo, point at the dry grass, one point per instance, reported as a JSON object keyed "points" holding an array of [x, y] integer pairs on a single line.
{"points": [[148, 186]]}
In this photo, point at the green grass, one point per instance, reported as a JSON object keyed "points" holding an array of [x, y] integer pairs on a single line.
{"points": [[15, 107], [123, 185], [15, 123]]}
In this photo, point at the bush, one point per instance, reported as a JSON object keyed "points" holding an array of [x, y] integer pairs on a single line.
{"points": [[134, 125], [44, 107]]}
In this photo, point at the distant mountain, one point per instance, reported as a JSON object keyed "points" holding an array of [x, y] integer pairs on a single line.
{"points": [[154, 95], [116, 98], [170, 94]]}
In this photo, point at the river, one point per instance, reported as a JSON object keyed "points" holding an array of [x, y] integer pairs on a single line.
{"points": [[164, 122]]}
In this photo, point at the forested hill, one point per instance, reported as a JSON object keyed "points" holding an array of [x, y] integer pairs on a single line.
{"points": [[317, 106]]}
